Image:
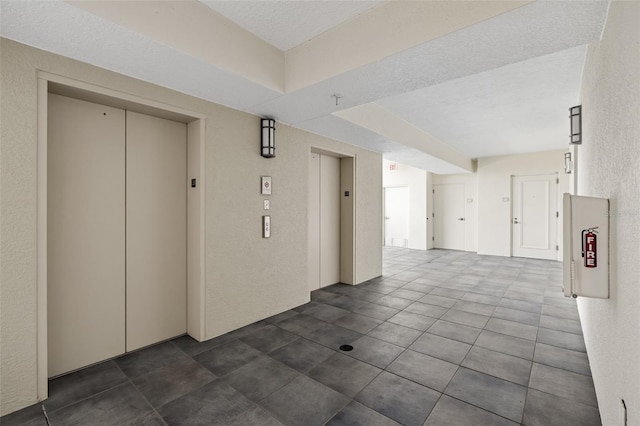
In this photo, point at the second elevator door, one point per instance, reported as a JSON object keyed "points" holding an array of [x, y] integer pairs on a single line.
{"points": [[324, 221], [329, 220]]}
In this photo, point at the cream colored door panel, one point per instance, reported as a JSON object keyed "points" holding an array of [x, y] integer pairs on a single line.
{"points": [[449, 216], [314, 221], [86, 233], [156, 229], [396, 216], [534, 221], [329, 220]]}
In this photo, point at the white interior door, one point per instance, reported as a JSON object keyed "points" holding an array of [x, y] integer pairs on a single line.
{"points": [[396, 216], [156, 229], [534, 219], [85, 233], [449, 216], [329, 220]]}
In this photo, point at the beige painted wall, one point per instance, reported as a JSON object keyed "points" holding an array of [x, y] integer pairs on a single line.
{"points": [[609, 167], [494, 184], [416, 180], [247, 278]]}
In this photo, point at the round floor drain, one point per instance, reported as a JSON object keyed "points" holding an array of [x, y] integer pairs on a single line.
{"points": [[346, 348]]}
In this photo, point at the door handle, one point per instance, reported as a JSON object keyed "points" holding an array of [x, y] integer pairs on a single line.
{"points": [[387, 218], [515, 220], [461, 218]]}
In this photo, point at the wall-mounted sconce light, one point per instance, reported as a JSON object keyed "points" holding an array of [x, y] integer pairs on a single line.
{"points": [[575, 114], [568, 164], [268, 138]]}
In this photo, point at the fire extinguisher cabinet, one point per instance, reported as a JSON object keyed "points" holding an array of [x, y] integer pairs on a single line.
{"points": [[586, 246]]}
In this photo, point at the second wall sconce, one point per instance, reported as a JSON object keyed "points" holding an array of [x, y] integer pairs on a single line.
{"points": [[268, 138], [575, 115]]}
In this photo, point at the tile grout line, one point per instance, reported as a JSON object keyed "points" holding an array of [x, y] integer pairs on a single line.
{"points": [[153, 408], [88, 397]]}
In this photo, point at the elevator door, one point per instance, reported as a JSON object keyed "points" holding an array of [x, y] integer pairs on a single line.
{"points": [[116, 232], [324, 221], [329, 220], [156, 229], [85, 233]]}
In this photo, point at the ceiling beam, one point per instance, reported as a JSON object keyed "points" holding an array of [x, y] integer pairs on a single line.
{"points": [[377, 119], [195, 29], [393, 27]]}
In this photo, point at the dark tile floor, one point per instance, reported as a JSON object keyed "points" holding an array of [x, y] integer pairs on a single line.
{"points": [[443, 338]]}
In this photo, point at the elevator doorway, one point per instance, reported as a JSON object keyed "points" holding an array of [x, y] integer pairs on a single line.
{"points": [[117, 206], [331, 220]]}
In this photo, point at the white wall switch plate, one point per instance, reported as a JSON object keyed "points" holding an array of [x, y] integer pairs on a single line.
{"points": [[266, 226], [266, 185]]}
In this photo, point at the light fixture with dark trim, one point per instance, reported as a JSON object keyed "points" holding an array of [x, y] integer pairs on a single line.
{"points": [[268, 138], [575, 114], [568, 164]]}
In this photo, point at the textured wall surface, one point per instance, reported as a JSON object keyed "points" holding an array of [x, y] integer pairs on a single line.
{"points": [[247, 278], [369, 218], [609, 167], [18, 369], [494, 184]]}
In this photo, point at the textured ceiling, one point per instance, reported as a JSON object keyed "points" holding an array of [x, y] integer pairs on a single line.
{"points": [[498, 86], [287, 24], [60, 28], [513, 109]]}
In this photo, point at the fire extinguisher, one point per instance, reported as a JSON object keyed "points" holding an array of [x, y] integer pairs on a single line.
{"points": [[590, 247]]}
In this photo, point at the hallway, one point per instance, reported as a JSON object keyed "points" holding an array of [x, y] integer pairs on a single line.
{"points": [[442, 338]]}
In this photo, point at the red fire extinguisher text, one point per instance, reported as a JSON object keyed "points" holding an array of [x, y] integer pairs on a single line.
{"points": [[590, 250]]}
